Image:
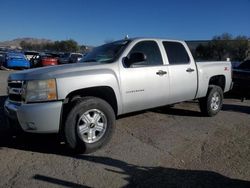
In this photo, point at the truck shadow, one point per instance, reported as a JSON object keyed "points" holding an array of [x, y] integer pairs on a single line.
{"points": [[178, 111], [168, 110], [142, 176], [42, 143], [236, 108], [57, 181]]}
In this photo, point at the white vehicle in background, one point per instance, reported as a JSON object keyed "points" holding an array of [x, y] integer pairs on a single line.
{"points": [[70, 58], [82, 100]]}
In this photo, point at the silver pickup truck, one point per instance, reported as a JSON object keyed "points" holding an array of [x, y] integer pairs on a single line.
{"points": [[82, 100]]}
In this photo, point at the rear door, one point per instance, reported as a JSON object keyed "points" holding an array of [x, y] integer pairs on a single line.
{"points": [[182, 72]]}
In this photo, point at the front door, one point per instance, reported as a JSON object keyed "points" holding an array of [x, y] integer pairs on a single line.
{"points": [[146, 84]]}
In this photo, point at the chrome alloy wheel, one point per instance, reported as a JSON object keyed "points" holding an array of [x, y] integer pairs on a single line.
{"points": [[215, 101], [91, 126]]}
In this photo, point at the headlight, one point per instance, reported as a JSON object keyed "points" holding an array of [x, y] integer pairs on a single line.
{"points": [[40, 90]]}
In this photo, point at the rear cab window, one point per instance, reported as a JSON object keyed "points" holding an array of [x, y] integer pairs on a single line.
{"points": [[176, 53]]}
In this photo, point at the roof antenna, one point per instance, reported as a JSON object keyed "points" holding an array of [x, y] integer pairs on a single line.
{"points": [[126, 37]]}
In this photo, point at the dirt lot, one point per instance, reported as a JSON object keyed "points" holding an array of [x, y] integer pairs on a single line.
{"points": [[164, 147]]}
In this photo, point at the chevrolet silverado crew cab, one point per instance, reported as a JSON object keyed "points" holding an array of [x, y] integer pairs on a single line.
{"points": [[82, 100]]}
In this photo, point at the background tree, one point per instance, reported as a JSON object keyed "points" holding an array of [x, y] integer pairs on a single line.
{"points": [[240, 48], [222, 47], [203, 52], [25, 45], [57, 46]]}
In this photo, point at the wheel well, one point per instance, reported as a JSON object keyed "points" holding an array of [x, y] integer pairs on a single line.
{"points": [[218, 80], [104, 92]]}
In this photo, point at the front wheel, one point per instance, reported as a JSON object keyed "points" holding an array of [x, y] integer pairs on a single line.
{"points": [[212, 103], [89, 125]]}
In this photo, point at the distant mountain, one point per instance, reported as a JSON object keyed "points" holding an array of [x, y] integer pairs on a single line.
{"points": [[15, 43]]}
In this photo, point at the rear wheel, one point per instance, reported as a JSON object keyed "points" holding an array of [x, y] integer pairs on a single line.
{"points": [[212, 103], [89, 125]]}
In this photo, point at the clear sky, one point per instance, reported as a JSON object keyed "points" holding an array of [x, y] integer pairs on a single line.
{"points": [[94, 21]]}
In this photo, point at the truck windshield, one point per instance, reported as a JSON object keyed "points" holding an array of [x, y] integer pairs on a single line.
{"points": [[106, 53]]}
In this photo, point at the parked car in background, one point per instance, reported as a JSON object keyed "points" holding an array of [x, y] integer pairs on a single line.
{"points": [[2, 58], [16, 60], [235, 64], [44, 59], [49, 61], [30, 54], [70, 58], [241, 79]]}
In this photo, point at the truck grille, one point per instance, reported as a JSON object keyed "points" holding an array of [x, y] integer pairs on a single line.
{"points": [[15, 90]]}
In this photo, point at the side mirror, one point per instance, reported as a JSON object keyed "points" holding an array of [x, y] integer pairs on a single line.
{"points": [[135, 58]]}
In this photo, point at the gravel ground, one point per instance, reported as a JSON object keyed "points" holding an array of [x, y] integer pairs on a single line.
{"points": [[164, 147]]}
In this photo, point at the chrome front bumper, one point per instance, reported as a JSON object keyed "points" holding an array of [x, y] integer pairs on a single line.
{"points": [[36, 117]]}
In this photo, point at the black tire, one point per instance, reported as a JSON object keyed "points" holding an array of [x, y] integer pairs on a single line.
{"points": [[81, 114], [207, 105]]}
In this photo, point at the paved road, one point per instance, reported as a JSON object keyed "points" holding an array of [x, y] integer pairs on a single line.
{"points": [[165, 147]]}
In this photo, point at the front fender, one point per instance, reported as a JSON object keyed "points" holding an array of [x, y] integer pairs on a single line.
{"points": [[90, 79]]}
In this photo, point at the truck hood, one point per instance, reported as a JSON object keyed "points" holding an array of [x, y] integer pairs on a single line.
{"points": [[58, 71]]}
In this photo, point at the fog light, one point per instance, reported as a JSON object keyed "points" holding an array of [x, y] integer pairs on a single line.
{"points": [[31, 126]]}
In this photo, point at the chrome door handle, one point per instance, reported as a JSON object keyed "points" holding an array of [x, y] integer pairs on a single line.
{"points": [[161, 72], [190, 70]]}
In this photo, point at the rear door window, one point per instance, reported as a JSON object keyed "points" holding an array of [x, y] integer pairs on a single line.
{"points": [[176, 53]]}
